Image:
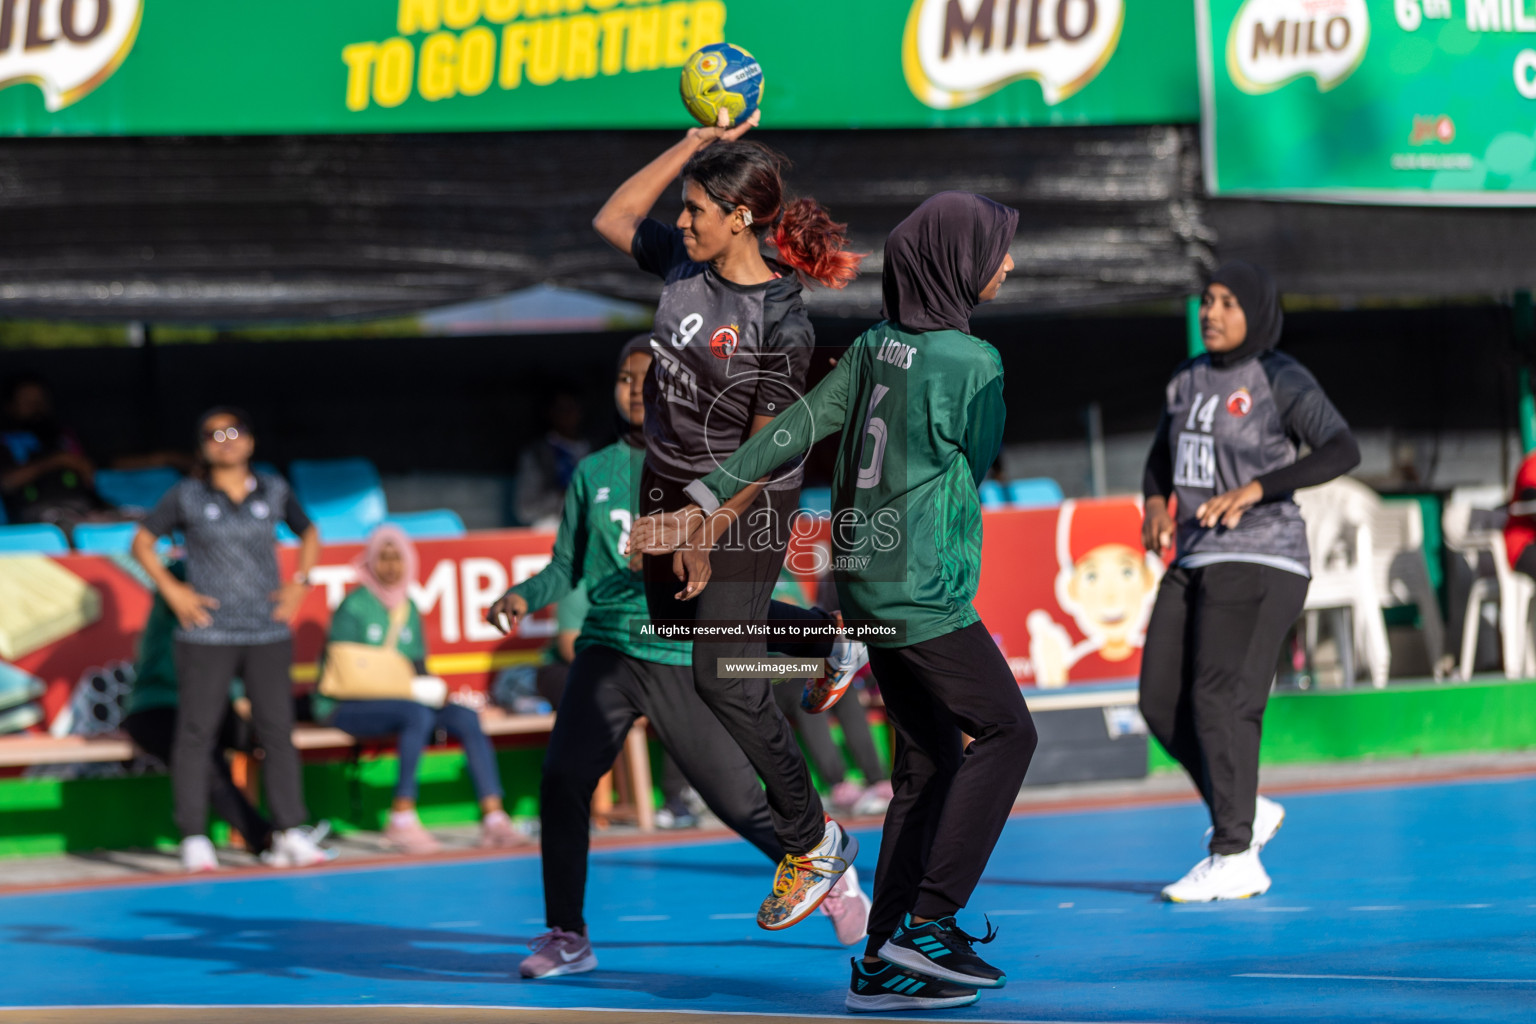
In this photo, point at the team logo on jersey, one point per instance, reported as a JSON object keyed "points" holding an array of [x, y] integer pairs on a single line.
{"points": [[724, 341], [602, 496], [1240, 402], [211, 511], [260, 509]]}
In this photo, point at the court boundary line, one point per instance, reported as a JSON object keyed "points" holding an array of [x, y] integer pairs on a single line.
{"points": [[744, 1014], [1073, 805]]}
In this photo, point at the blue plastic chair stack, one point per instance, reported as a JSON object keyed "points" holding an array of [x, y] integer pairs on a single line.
{"points": [[135, 488], [33, 538], [343, 496], [105, 538], [1036, 492], [432, 524]]}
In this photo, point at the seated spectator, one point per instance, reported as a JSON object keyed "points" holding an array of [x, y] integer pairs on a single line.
{"points": [[150, 721], [544, 467], [404, 703], [1520, 527], [45, 475]]}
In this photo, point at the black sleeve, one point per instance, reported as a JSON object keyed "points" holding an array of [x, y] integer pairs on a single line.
{"points": [[1157, 478], [657, 248], [420, 665], [165, 518], [786, 361], [293, 513], [1311, 419]]}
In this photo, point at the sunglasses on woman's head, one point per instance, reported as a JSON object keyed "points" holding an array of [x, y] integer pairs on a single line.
{"points": [[220, 436]]}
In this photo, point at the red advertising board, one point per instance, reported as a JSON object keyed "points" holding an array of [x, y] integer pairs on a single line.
{"points": [[1066, 593]]}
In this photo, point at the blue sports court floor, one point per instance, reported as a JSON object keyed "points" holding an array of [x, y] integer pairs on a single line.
{"points": [[1406, 903]]}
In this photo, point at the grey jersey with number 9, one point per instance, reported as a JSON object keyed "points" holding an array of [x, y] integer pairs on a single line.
{"points": [[1229, 426], [724, 354]]}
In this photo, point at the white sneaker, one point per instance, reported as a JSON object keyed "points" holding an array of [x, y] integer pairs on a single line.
{"points": [[197, 856], [1232, 876], [1267, 819], [848, 906], [294, 848], [847, 658]]}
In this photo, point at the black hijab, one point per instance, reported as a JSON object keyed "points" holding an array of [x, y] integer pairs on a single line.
{"points": [[627, 431], [939, 259], [1256, 293]]}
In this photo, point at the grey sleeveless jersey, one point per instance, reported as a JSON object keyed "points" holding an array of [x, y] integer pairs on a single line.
{"points": [[724, 353], [1228, 426]]}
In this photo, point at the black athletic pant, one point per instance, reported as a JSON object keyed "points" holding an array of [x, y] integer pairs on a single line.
{"points": [[604, 694], [153, 730], [949, 805], [744, 569], [816, 734], [1209, 659], [204, 672]]}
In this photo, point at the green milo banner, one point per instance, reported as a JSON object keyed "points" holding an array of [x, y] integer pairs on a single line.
{"points": [[1386, 101], [146, 67]]}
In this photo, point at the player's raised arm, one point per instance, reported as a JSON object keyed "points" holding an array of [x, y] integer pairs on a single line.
{"points": [[631, 202]]}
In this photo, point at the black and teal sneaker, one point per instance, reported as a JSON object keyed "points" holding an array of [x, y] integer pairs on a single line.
{"points": [[941, 950], [882, 987]]}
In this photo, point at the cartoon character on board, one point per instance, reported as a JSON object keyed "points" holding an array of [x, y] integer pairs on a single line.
{"points": [[1107, 582]]}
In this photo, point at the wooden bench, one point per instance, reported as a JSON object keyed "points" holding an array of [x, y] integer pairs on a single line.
{"points": [[26, 750]]}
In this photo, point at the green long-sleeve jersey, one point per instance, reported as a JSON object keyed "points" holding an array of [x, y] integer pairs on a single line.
{"points": [[921, 416], [600, 506]]}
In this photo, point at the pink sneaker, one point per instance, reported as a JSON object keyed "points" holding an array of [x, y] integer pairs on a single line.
{"points": [[848, 907], [558, 952], [408, 836], [498, 832], [873, 800], [845, 794]]}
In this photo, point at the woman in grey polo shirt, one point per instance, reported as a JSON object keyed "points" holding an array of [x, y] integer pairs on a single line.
{"points": [[233, 612]]}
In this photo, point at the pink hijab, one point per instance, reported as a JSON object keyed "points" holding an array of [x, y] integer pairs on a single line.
{"points": [[389, 596]]}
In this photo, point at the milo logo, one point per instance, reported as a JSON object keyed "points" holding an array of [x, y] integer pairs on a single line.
{"points": [[1273, 42], [65, 47], [956, 52]]}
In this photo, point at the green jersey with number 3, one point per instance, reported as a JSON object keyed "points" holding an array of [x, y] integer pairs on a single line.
{"points": [[599, 509], [921, 416]]}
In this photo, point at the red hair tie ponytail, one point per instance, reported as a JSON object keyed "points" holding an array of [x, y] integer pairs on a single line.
{"points": [[810, 241]]}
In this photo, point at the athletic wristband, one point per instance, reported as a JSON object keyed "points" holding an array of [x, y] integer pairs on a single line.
{"points": [[703, 497]]}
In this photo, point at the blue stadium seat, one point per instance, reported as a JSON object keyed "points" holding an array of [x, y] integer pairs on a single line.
{"points": [[343, 496], [135, 488], [30, 538], [817, 501], [1036, 492], [992, 494], [105, 538], [432, 524]]}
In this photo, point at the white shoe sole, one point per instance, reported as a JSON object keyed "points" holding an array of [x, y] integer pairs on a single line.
{"points": [[585, 964], [889, 1002], [1261, 842], [915, 961]]}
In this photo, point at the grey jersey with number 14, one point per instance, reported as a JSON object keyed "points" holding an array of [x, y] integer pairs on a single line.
{"points": [[1228, 426]]}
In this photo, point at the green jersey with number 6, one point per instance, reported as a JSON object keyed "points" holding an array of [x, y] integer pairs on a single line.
{"points": [[921, 416], [599, 509]]}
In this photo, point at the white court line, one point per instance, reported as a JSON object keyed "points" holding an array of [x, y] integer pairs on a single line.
{"points": [[745, 1014], [455, 924], [731, 917], [1391, 977], [1472, 906], [1377, 908], [646, 917]]}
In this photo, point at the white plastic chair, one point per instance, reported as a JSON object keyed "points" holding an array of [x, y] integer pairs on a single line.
{"points": [[1472, 545], [1402, 571], [1341, 536], [1495, 581]]}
